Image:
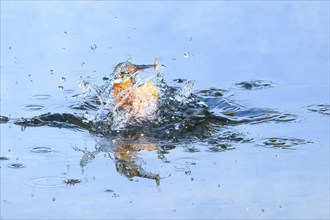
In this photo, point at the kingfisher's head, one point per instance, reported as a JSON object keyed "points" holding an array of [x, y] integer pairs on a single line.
{"points": [[125, 71]]}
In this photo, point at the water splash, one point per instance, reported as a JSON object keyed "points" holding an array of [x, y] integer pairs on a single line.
{"points": [[111, 115], [179, 115]]}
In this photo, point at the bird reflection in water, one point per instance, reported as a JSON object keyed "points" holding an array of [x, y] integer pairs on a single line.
{"points": [[125, 157]]}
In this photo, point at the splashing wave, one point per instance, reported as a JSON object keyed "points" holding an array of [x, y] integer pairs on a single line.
{"points": [[181, 114]]}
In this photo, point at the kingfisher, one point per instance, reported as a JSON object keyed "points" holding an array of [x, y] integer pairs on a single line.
{"points": [[139, 98]]}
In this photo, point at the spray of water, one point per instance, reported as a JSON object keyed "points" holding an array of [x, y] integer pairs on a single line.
{"points": [[111, 116]]}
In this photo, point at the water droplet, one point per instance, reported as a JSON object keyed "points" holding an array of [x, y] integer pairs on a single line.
{"points": [[60, 87], [186, 55], [93, 46], [190, 38], [53, 199], [65, 32], [187, 172], [115, 195], [9, 48], [51, 72], [63, 79], [83, 64]]}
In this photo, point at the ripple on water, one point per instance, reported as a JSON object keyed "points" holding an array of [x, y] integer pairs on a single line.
{"points": [[254, 84], [184, 163], [164, 149], [16, 165], [192, 149], [283, 143], [322, 109], [216, 147], [41, 96], [47, 181], [34, 107], [42, 150], [68, 91]]}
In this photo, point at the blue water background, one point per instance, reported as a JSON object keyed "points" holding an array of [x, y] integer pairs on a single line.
{"points": [[285, 42]]}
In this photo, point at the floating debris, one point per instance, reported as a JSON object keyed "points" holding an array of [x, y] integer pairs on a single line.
{"points": [[72, 181]]}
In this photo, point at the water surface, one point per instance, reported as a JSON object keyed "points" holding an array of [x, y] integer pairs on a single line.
{"points": [[251, 139]]}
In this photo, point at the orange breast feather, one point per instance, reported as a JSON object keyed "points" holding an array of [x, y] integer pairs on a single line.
{"points": [[139, 100]]}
